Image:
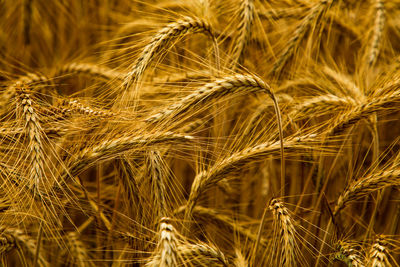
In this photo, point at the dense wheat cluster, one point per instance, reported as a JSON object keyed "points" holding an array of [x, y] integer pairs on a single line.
{"points": [[200, 133]]}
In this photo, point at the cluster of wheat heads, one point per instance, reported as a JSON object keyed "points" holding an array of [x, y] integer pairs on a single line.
{"points": [[200, 133]]}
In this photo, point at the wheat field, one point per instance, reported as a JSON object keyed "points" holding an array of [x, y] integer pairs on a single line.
{"points": [[200, 133]]}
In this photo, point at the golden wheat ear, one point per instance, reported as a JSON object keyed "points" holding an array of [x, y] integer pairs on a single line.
{"points": [[166, 253], [34, 132], [349, 254], [378, 254], [160, 42], [313, 17], [12, 238], [244, 30]]}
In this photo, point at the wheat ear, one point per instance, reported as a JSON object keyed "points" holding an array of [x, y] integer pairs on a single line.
{"points": [[166, 253], [283, 225], [78, 252], [92, 70], [243, 29], [10, 92], [75, 105], [156, 174], [348, 254], [16, 238], [314, 15], [240, 260], [379, 25], [112, 148], [204, 180], [34, 132], [214, 90], [321, 105], [160, 41], [368, 184], [378, 254], [373, 104], [7, 242], [203, 254], [221, 87]]}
